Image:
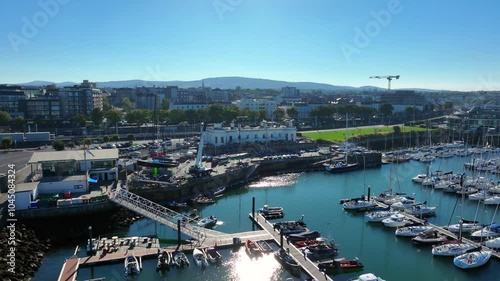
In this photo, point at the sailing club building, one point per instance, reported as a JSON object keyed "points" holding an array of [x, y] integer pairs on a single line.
{"points": [[267, 131]]}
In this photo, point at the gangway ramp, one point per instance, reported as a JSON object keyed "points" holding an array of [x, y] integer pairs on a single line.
{"points": [[161, 214]]}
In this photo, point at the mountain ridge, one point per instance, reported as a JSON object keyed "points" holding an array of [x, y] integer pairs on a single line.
{"points": [[229, 82]]}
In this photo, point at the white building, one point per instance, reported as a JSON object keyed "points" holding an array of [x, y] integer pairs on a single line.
{"points": [[267, 131], [25, 194], [70, 171], [257, 105]]}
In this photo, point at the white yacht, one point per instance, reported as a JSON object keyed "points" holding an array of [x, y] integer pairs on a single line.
{"points": [[492, 230], [453, 248], [396, 220], [412, 231], [467, 226], [495, 200], [358, 205], [493, 243], [378, 216], [472, 259], [419, 178]]}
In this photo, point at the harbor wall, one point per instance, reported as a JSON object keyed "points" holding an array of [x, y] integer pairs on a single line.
{"points": [[194, 186], [72, 210]]}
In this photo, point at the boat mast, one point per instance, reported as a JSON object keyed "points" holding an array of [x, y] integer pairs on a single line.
{"points": [[346, 151]]}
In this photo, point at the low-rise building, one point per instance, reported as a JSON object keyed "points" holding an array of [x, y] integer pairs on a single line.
{"points": [[267, 131]]}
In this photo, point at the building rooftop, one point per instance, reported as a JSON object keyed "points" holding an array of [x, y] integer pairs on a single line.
{"points": [[28, 186], [78, 155]]}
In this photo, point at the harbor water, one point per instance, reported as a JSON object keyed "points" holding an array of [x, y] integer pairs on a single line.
{"points": [[315, 196]]}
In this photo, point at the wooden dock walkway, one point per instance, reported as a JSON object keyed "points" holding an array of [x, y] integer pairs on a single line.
{"points": [[307, 265]]}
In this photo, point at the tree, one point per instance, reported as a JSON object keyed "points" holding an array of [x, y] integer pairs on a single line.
{"points": [[262, 114], [79, 120], [105, 139], [58, 145], [163, 116], [127, 105], [397, 130], [114, 116], [138, 116], [19, 122], [131, 137], [386, 109], [292, 113], [165, 104], [177, 116], [279, 114], [87, 142], [105, 105], [70, 144], [115, 138], [448, 105], [6, 143], [4, 118], [216, 113], [97, 116]]}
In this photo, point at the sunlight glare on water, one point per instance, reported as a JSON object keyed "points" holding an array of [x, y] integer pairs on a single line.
{"points": [[244, 268], [276, 181]]}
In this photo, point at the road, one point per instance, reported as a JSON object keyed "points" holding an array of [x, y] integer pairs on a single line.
{"points": [[18, 158]]}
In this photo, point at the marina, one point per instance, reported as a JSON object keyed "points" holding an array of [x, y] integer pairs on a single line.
{"points": [[354, 235]]}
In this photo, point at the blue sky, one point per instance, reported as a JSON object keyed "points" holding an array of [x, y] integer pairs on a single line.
{"points": [[431, 44]]}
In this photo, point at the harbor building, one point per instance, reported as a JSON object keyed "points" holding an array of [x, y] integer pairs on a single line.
{"points": [[267, 131], [70, 171]]}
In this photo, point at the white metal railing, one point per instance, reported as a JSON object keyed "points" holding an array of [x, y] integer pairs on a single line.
{"points": [[156, 212]]}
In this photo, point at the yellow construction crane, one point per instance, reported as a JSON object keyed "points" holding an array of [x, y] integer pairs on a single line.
{"points": [[389, 79]]}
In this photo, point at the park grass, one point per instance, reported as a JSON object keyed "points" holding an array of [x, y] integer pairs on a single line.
{"points": [[339, 135]]}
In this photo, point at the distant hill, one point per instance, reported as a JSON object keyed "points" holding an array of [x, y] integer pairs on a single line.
{"points": [[222, 83]]}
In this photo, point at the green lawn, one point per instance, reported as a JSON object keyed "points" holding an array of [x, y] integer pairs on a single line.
{"points": [[339, 135]]}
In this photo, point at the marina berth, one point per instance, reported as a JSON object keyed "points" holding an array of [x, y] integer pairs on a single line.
{"points": [[430, 237], [412, 231], [472, 259], [213, 255], [453, 248], [490, 231], [200, 258], [378, 216], [131, 266], [464, 226], [264, 246], [288, 262], [180, 259], [396, 220], [341, 265]]}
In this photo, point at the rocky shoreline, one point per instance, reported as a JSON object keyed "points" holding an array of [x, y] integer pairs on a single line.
{"points": [[34, 238]]}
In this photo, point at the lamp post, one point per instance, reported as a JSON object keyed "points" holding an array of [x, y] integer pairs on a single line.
{"points": [[91, 248]]}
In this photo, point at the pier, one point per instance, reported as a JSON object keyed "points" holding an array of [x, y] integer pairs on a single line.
{"points": [[307, 265]]}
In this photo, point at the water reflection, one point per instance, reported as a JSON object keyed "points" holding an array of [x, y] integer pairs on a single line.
{"points": [[276, 181], [242, 267]]}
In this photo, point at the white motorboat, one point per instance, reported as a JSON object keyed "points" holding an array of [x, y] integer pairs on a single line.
{"points": [[200, 258], [421, 211], [266, 209], [481, 195], [131, 266], [492, 230], [467, 226], [180, 259], [358, 205], [412, 231], [208, 222], [378, 216], [430, 237], [453, 248], [472, 259], [419, 178], [493, 243], [367, 277], [396, 220], [405, 203]]}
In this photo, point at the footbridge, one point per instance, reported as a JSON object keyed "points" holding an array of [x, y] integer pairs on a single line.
{"points": [[161, 214]]}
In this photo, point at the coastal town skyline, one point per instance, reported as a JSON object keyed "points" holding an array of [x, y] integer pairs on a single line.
{"points": [[448, 47]]}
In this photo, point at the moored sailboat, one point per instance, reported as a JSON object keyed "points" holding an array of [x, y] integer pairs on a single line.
{"points": [[472, 259]]}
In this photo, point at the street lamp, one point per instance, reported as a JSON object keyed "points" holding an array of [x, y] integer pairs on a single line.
{"points": [[91, 248]]}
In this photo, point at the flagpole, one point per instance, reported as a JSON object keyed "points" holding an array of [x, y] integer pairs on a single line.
{"points": [[85, 161]]}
